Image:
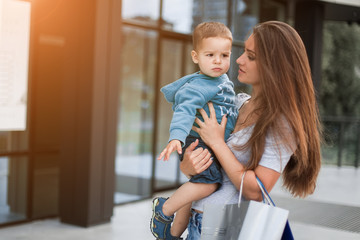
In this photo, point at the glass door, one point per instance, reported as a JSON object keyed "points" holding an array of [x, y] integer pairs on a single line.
{"points": [[133, 164]]}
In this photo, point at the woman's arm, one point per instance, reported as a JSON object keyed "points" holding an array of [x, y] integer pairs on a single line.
{"points": [[212, 134]]}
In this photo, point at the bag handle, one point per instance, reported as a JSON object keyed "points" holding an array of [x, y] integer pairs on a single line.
{"points": [[264, 192], [241, 188]]}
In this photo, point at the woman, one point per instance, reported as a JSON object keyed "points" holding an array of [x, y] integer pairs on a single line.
{"points": [[277, 130]]}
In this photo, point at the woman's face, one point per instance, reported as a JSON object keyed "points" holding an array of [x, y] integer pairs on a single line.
{"points": [[248, 71]]}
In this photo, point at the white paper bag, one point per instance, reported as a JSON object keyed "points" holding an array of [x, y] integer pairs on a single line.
{"points": [[263, 221], [247, 220]]}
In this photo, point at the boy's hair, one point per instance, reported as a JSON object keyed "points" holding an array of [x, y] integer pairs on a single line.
{"points": [[210, 29]]}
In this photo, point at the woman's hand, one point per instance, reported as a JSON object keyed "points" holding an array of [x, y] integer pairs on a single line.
{"points": [[195, 161], [210, 131]]}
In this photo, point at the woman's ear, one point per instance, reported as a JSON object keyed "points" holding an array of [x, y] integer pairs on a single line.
{"points": [[194, 57]]}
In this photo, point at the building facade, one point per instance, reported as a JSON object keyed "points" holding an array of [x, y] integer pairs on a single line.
{"points": [[96, 119]]}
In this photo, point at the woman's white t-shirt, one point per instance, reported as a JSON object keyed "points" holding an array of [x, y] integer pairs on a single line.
{"points": [[275, 157]]}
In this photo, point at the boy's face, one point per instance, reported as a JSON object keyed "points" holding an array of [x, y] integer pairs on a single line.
{"points": [[213, 56]]}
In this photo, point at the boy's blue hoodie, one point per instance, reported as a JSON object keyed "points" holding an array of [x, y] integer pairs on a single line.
{"points": [[193, 92]]}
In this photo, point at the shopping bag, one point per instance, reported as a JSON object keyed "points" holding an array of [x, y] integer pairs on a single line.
{"points": [[263, 221], [244, 220], [223, 222], [287, 233]]}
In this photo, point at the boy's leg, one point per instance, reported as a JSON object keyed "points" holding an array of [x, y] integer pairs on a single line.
{"points": [[180, 202], [163, 209], [186, 194], [181, 221]]}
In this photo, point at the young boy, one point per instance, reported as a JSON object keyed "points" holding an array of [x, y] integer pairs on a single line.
{"points": [[212, 49]]}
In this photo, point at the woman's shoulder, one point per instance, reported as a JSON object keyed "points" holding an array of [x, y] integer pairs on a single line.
{"points": [[240, 99]]}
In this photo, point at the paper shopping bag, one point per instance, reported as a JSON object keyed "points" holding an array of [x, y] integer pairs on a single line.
{"points": [[252, 220], [247, 220], [223, 222], [263, 221]]}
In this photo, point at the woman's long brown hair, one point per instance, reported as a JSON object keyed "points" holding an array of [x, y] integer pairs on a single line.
{"points": [[286, 92]]}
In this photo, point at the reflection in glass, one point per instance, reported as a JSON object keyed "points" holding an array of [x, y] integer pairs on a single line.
{"points": [[135, 126], [13, 189], [141, 11]]}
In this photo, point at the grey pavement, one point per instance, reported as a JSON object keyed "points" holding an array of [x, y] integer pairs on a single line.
{"points": [[331, 213]]}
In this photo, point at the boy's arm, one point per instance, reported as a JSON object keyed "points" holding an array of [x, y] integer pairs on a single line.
{"points": [[187, 101], [173, 145]]}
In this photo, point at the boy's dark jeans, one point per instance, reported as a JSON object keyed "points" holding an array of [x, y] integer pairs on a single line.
{"points": [[213, 173]]}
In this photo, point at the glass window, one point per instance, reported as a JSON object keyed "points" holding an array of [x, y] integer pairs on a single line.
{"points": [[210, 10], [166, 173], [13, 189], [339, 99], [245, 15], [183, 15], [13, 141], [172, 68], [178, 15], [141, 11], [135, 127]]}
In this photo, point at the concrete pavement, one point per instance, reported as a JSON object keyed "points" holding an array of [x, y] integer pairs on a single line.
{"points": [[338, 191]]}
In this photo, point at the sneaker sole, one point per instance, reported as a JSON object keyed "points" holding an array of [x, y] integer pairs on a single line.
{"points": [[154, 203]]}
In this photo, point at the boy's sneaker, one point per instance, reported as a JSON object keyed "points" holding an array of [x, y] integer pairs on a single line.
{"points": [[160, 224], [175, 238]]}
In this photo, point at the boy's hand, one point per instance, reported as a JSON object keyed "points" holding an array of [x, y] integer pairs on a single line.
{"points": [[174, 145]]}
